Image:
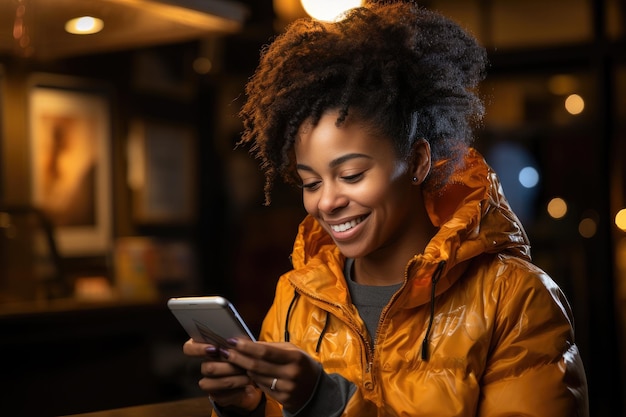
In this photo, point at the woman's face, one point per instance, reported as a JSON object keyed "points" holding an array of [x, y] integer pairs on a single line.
{"points": [[355, 185]]}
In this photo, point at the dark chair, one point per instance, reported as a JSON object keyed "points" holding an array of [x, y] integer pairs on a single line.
{"points": [[30, 265]]}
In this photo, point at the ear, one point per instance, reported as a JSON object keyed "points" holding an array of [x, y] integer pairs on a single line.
{"points": [[420, 161]]}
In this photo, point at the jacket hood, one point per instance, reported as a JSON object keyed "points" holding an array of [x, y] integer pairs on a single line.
{"points": [[473, 218]]}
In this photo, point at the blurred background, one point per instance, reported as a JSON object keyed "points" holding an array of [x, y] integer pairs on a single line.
{"points": [[120, 187]]}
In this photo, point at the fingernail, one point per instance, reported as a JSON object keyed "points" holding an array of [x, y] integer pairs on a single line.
{"points": [[211, 350], [225, 353], [232, 341]]}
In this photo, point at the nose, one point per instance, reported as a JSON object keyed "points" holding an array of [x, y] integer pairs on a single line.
{"points": [[331, 198]]}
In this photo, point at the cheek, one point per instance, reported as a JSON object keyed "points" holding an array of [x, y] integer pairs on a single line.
{"points": [[388, 186], [390, 200], [378, 191]]}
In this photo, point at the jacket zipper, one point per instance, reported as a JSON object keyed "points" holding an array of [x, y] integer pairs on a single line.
{"points": [[369, 351], [393, 299]]}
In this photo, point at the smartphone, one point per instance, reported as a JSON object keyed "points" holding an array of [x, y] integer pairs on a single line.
{"points": [[211, 319]]}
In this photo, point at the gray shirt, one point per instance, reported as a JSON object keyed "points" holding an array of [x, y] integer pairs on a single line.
{"points": [[369, 300]]}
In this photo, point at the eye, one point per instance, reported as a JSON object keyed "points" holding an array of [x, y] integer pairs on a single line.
{"points": [[353, 177], [311, 186]]}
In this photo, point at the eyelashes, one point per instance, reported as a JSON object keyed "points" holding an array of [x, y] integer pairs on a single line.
{"points": [[350, 179]]}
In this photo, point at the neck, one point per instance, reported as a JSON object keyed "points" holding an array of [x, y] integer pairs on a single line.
{"points": [[387, 265]]}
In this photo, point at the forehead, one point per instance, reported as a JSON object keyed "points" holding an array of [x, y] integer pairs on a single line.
{"points": [[327, 138]]}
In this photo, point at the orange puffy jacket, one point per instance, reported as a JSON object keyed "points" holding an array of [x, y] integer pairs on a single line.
{"points": [[495, 339]]}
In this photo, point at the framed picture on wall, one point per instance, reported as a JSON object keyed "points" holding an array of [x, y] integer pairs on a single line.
{"points": [[70, 141], [161, 172]]}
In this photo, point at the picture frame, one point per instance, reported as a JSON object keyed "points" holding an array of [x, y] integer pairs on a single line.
{"points": [[162, 172], [70, 159]]}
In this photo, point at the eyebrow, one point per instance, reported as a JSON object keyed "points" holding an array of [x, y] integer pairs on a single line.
{"points": [[336, 162]]}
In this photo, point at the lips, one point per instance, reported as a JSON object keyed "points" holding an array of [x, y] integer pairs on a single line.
{"points": [[343, 227]]}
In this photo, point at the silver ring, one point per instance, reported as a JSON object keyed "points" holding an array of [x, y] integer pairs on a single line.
{"points": [[273, 386]]}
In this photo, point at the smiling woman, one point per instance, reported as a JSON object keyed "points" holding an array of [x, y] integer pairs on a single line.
{"points": [[360, 189], [411, 275]]}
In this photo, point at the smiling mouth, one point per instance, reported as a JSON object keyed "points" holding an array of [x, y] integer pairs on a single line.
{"points": [[346, 226]]}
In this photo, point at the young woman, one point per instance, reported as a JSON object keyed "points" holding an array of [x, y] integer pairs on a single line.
{"points": [[412, 291]]}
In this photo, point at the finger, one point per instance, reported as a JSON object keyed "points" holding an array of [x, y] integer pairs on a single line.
{"points": [[254, 363], [275, 383], [274, 352], [226, 383], [279, 389], [193, 348], [216, 369], [268, 359]]}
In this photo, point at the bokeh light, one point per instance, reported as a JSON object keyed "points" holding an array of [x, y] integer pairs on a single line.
{"points": [[620, 219], [574, 104], [528, 177], [517, 169], [587, 227], [557, 208]]}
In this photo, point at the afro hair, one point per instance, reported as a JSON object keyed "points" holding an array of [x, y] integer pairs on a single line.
{"points": [[411, 73]]}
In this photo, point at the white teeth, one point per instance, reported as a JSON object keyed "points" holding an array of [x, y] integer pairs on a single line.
{"points": [[345, 226]]}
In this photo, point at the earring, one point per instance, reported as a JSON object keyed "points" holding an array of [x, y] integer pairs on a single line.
{"points": [[415, 179]]}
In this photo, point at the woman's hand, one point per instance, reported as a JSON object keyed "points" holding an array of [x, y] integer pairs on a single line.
{"points": [[227, 384], [281, 370]]}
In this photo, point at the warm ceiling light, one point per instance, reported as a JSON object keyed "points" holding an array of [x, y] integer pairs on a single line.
{"points": [[85, 25], [328, 10]]}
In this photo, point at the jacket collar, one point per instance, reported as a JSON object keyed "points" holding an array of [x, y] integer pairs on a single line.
{"points": [[473, 217]]}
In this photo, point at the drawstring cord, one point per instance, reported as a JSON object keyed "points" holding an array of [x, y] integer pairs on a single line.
{"points": [[435, 280], [291, 304], [296, 295]]}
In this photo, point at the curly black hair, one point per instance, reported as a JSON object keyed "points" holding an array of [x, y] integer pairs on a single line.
{"points": [[409, 72]]}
